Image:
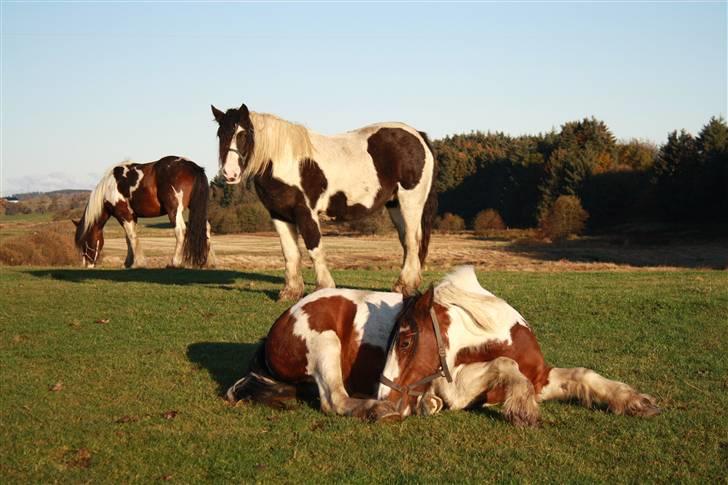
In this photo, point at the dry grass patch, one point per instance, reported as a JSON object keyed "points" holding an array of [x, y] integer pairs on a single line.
{"points": [[44, 245]]}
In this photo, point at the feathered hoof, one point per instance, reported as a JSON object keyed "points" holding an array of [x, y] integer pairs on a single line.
{"points": [[642, 406], [524, 415], [232, 393], [290, 294], [405, 290], [382, 412]]}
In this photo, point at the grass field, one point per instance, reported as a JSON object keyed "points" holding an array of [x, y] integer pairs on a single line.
{"points": [[115, 376]]}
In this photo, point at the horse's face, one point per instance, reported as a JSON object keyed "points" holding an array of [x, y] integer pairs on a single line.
{"points": [[235, 135], [89, 243], [412, 357]]}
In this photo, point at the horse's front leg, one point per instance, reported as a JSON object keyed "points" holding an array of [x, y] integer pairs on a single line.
{"points": [[472, 381], [332, 393], [293, 289], [135, 255], [308, 225]]}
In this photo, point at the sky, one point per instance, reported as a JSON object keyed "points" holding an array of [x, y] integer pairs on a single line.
{"points": [[87, 85]]}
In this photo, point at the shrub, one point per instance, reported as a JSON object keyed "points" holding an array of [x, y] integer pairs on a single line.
{"points": [[487, 220], [45, 245], [17, 208], [565, 218], [377, 223], [247, 217], [449, 223]]}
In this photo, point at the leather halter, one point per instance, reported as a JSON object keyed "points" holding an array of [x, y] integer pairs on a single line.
{"points": [[236, 151], [96, 251], [442, 371]]}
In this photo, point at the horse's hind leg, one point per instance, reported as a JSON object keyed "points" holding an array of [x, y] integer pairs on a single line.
{"points": [[474, 380], [176, 218], [333, 395], [395, 214], [587, 386], [410, 213], [293, 289]]}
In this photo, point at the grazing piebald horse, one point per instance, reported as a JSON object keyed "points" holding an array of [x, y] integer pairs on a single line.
{"points": [[302, 177], [132, 190], [379, 356]]}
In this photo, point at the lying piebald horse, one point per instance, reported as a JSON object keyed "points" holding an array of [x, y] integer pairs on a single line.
{"points": [[376, 356], [302, 176], [132, 190]]}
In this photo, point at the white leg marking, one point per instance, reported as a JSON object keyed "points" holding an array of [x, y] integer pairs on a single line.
{"points": [[471, 380], [587, 386], [134, 246], [179, 228], [294, 281]]}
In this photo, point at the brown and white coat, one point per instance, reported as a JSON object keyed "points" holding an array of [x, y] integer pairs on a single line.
{"points": [[343, 340]]}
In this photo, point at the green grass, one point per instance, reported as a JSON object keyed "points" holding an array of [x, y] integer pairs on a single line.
{"points": [[176, 339]]}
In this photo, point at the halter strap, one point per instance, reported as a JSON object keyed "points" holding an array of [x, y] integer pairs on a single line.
{"points": [[442, 371], [96, 251], [235, 150]]}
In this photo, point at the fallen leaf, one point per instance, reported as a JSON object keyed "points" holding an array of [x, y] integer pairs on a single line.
{"points": [[81, 459], [165, 477], [170, 415], [102, 320], [58, 386]]}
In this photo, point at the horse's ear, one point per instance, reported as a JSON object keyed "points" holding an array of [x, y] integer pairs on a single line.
{"points": [[217, 114], [75, 223], [244, 113], [428, 297]]}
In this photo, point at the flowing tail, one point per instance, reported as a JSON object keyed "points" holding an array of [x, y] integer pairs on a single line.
{"points": [[430, 210], [196, 244], [259, 386]]}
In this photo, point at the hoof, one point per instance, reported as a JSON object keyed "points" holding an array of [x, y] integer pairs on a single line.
{"points": [[290, 294], [405, 290], [383, 412], [642, 406]]}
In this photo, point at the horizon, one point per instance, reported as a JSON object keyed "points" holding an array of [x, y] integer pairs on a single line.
{"points": [[140, 87]]}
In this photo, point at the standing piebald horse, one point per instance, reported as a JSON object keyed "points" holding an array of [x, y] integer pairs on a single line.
{"points": [[132, 190], [377, 356], [301, 176]]}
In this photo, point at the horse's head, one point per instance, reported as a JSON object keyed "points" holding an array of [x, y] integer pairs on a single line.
{"points": [[89, 241], [414, 357], [235, 134]]}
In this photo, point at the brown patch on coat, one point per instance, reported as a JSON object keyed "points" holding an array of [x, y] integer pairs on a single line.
{"points": [[361, 364], [287, 203], [125, 181], [285, 352], [524, 349], [313, 181], [398, 155]]}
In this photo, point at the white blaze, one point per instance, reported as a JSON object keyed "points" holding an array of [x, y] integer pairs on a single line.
{"points": [[231, 166]]}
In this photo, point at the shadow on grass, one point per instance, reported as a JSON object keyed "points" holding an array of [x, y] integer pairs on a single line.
{"points": [[159, 276], [624, 251], [226, 362]]}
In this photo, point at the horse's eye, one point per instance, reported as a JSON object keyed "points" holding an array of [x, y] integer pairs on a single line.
{"points": [[405, 344]]}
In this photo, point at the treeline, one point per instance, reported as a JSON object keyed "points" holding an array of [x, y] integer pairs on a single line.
{"points": [[684, 180], [493, 180]]}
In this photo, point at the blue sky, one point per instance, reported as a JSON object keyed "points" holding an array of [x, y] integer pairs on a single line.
{"points": [[86, 85]]}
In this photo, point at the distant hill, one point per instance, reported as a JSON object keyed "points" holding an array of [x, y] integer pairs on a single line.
{"points": [[63, 192]]}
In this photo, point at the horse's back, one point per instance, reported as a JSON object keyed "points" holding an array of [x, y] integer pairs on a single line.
{"points": [[360, 320]]}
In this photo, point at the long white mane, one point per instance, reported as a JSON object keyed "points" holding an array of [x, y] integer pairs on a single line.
{"points": [[461, 289], [99, 195], [276, 140]]}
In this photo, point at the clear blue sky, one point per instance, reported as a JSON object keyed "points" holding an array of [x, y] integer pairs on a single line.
{"points": [[87, 85]]}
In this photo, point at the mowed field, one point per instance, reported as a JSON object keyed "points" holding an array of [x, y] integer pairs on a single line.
{"points": [[116, 375]]}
